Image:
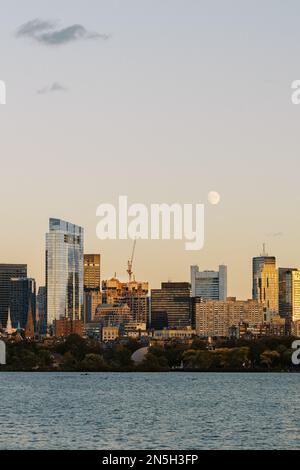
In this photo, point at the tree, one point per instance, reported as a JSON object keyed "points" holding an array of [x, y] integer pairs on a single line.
{"points": [[269, 358], [93, 363]]}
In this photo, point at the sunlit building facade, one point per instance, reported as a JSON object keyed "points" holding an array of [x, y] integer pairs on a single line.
{"points": [[209, 285], [216, 318], [265, 283], [64, 271], [92, 285], [135, 294], [289, 295]]}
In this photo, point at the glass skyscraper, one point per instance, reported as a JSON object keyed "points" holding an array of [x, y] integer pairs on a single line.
{"points": [[64, 271], [289, 295], [7, 272], [265, 282], [22, 296]]}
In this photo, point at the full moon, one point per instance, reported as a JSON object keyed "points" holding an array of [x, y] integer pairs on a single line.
{"points": [[214, 197]]}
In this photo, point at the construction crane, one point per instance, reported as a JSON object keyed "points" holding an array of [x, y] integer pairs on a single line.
{"points": [[130, 262]]}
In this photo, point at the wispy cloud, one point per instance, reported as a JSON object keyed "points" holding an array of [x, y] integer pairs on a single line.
{"points": [[275, 234], [52, 88], [48, 33]]}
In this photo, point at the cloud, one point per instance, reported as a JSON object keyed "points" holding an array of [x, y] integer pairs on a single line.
{"points": [[275, 234], [52, 88], [48, 33]]}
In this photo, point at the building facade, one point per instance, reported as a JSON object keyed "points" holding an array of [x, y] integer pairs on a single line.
{"points": [[171, 304], [22, 297], [216, 318], [210, 285], [64, 271], [135, 294], [265, 283], [92, 272], [41, 310], [92, 285], [289, 295], [113, 315], [7, 272]]}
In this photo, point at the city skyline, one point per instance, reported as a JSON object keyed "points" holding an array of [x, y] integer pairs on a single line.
{"points": [[143, 111], [123, 276]]}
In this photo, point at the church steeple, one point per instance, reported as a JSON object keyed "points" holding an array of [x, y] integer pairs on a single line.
{"points": [[9, 329], [29, 330]]}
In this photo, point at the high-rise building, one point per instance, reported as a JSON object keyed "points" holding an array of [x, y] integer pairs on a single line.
{"points": [[92, 272], [7, 272], [22, 299], [210, 285], [172, 304], [41, 308], [133, 293], [216, 318], [265, 282], [92, 286], [64, 271], [289, 295]]}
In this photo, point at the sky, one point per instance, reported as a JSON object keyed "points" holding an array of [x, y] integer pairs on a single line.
{"points": [[162, 101]]}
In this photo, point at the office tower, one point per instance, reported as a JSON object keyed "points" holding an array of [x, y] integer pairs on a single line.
{"points": [[171, 304], [289, 295], [41, 308], [92, 272], [92, 286], [265, 282], [22, 299], [64, 271], [8, 271], [210, 285], [215, 318], [133, 293]]}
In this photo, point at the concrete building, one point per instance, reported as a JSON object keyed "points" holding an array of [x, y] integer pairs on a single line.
{"points": [[66, 327], [110, 333], [92, 285], [215, 318], [135, 330], [209, 285], [180, 333], [92, 272]]}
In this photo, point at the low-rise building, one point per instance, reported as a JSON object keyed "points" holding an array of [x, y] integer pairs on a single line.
{"points": [[135, 329], [65, 327], [178, 333], [110, 333]]}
